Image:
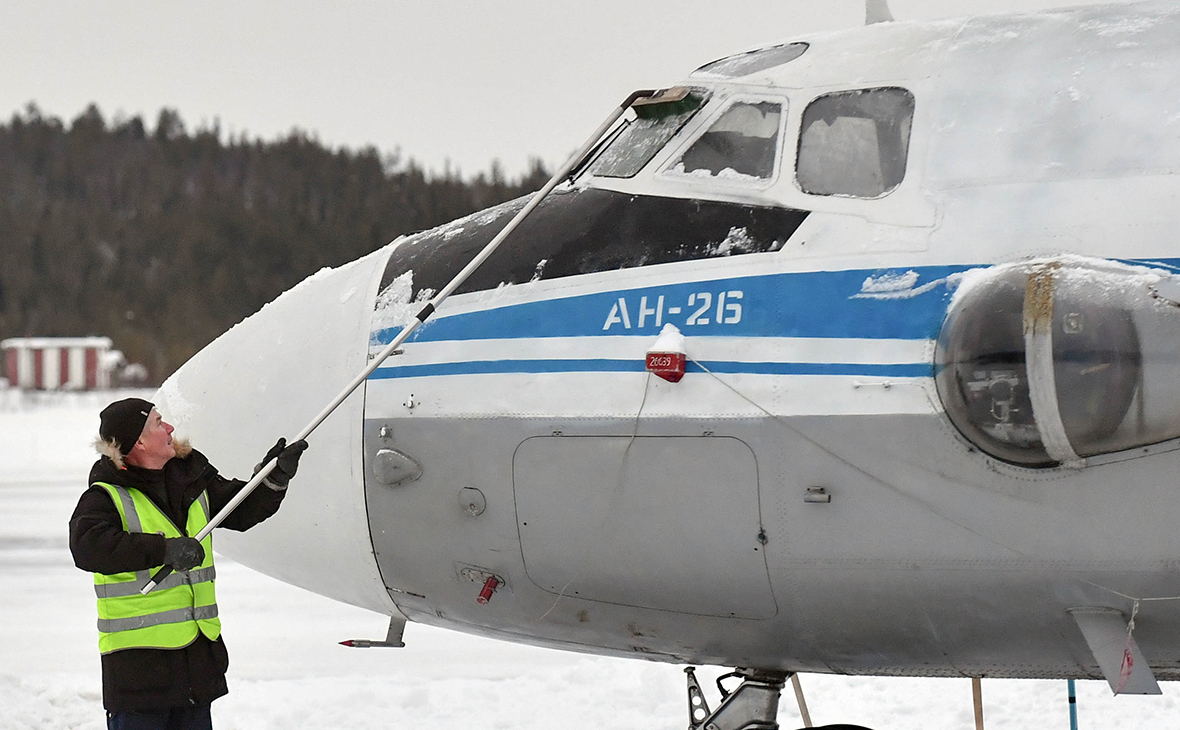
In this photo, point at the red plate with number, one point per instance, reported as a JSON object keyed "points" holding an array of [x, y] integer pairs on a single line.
{"points": [[667, 365]]}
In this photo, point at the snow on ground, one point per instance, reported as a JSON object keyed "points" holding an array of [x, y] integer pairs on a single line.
{"points": [[288, 671]]}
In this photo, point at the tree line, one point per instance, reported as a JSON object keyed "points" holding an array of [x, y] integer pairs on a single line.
{"points": [[162, 239]]}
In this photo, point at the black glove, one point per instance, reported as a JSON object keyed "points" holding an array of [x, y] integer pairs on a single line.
{"points": [[288, 463], [183, 553]]}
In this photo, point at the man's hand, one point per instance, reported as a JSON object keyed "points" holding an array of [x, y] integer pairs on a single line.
{"points": [[183, 553], [288, 463]]}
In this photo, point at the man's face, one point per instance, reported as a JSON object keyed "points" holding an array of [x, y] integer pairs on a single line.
{"points": [[154, 447]]}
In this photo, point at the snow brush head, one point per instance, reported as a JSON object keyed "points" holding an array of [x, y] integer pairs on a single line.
{"points": [[667, 103]]}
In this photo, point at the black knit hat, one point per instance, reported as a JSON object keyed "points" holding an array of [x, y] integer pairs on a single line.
{"points": [[123, 421]]}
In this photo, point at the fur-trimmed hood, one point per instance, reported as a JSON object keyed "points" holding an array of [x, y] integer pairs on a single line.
{"points": [[110, 449], [165, 486]]}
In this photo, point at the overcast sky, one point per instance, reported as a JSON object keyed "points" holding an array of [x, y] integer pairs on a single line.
{"points": [[440, 80]]}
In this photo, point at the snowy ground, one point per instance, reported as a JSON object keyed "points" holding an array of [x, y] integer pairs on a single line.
{"points": [[288, 671]]}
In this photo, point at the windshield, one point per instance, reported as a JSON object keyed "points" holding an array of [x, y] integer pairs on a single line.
{"points": [[639, 139], [742, 144]]}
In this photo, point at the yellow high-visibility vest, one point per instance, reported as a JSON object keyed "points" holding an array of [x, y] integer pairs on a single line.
{"points": [[176, 610]]}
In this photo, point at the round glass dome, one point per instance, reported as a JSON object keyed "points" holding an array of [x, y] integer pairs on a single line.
{"points": [[1049, 362]]}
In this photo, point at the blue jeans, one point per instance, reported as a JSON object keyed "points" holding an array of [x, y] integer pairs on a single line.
{"points": [[189, 717]]}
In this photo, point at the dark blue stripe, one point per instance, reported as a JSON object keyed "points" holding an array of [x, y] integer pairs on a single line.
{"points": [[871, 370], [488, 367]]}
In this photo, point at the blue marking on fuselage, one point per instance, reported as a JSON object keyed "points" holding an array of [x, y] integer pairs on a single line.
{"points": [[1173, 265], [811, 304], [850, 304]]}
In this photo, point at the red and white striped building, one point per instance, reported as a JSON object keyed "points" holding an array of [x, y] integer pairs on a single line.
{"points": [[58, 363]]}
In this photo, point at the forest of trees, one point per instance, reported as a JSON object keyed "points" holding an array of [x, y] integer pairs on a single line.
{"points": [[162, 239]]}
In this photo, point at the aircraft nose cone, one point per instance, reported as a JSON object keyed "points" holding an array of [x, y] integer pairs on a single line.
{"points": [[267, 377]]}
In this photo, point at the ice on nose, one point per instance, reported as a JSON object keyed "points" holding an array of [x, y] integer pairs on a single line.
{"points": [[267, 377]]}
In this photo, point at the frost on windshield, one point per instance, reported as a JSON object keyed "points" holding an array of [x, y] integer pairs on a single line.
{"points": [[638, 140], [855, 143], [740, 241], [751, 62], [576, 232], [397, 303], [741, 145]]}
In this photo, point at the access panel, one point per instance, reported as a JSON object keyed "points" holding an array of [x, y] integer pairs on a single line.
{"points": [[668, 523]]}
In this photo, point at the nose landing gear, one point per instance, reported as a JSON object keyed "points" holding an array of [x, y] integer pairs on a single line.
{"points": [[753, 705]]}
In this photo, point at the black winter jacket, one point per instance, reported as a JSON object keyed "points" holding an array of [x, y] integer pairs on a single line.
{"points": [[142, 679]]}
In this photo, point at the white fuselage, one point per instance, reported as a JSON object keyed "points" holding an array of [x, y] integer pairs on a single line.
{"points": [[629, 515]]}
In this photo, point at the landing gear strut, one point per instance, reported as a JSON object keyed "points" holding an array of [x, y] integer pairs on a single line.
{"points": [[752, 706]]}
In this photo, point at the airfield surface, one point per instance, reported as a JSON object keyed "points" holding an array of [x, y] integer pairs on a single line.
{"points": [[287, 670]]}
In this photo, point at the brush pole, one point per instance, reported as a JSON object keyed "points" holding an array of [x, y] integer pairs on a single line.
{"points": [[421, 317]]}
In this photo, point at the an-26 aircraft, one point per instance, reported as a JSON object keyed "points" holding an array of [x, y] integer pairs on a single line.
{"points": [[859, 353]]}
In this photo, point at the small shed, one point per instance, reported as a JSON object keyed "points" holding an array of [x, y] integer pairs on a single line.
{"points": [[58, 363]]}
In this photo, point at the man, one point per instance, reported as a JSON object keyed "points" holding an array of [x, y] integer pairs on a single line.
{"points": [[163, 660]]}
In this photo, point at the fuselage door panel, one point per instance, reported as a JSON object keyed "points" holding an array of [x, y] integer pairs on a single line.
{"points": [[668, 523]]}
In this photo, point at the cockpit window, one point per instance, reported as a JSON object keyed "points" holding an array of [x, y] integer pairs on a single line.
{"points": [[855, 143], [638, 140], [741, 144], [745, 64]]}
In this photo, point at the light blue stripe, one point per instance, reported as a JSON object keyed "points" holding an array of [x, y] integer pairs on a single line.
{"points": [[490, 367]]}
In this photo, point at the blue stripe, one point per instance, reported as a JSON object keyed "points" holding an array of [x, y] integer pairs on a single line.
{"points": [[812, 304], [822, 304], [487, 367], [1171, 264]]}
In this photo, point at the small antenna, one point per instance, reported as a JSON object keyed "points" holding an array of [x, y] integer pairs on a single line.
{"points": [[877, 11]]}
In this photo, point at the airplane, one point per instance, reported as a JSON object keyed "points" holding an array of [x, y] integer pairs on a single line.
{"points": [[855, 353]]}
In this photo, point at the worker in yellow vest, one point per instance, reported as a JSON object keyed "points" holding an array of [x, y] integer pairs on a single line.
{"points": [[163, 659]]}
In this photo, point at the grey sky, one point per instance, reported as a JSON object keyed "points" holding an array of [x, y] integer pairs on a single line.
{"points": [[464, 81]]}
